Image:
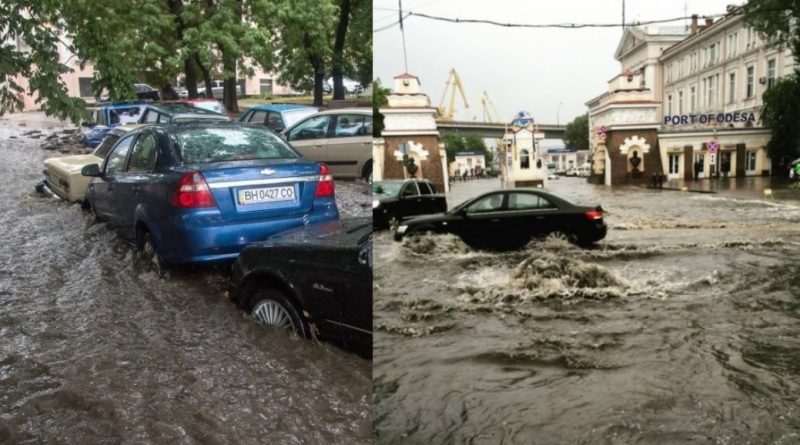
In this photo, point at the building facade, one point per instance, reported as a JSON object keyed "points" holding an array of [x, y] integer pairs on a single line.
{"points": [[714, 81], [525, 164], [471, 162], [696, 107], [410, 134]]}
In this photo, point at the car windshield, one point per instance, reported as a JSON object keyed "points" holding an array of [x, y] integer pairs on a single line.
{"points": [[294, 116], [201, 145], [102, 150], [386, 188], [214, 106]]}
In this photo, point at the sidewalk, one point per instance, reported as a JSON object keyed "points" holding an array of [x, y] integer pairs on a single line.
{"points": [[753, 186]]}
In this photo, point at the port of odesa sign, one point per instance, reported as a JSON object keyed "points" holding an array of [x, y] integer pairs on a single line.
{"points": [[720, 118]]}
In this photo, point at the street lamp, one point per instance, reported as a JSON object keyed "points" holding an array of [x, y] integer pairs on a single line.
{"points": [[558, 108]]}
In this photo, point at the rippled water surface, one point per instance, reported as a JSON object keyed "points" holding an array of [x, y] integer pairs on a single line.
{"points": [[682, 326], [95, 348]]}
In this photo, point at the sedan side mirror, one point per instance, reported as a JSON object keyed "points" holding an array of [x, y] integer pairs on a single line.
{"points": [[91, 170]]}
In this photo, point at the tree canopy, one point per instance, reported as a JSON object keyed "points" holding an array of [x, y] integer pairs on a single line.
{"points": [[576, 134]]}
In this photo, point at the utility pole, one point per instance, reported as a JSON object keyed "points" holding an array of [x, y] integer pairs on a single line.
{"points": [[403, 34]]}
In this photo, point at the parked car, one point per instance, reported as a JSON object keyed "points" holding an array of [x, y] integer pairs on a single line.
{"points": [[145, 91], [177, 112], [342, 138], [312, 279], [350, 86], [217, 89], [509, 219], [572, 171], [395, 200], [62, 175], [277, 117], [199, 192], [108, 116]]}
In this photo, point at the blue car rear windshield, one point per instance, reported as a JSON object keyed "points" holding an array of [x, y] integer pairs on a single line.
{"points": [[201, 145]]}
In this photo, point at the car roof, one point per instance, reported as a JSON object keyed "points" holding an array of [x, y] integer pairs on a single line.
{"points": [[280, 107], [125, 104], [181, 109], [352, 110]]}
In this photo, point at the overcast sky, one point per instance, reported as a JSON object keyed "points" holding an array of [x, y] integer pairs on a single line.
{"points": [[521, 69]]}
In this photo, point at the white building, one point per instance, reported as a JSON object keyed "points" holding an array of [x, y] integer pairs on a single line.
{"points": [[525, 163], [467, 161], [713, 86]]}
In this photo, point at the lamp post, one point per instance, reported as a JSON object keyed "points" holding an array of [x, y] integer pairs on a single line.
{"points": [[558, 108]]}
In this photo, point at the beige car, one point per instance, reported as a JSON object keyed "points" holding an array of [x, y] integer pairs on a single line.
{"points": [[341, 138], [62, 175]]}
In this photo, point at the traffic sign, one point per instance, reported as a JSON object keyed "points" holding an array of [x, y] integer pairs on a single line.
{"points": [[712, 146]]}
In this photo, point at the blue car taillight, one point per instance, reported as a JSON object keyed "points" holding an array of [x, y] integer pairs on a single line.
{"points": [[192, 192]]}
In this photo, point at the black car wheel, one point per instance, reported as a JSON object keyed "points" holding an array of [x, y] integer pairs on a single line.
{"points": [[272, 308], [565, 236], [392, 221], [150, 254], [368, 173]]}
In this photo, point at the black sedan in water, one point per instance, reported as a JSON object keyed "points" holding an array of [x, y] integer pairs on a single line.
{"points": [[509, 219], [314, 280], [394, 200]]}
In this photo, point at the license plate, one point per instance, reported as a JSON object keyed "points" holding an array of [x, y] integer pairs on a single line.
{"points": [[267, 194]]}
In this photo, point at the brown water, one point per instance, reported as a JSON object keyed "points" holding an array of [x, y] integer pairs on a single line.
{"points": [[95, 348], [683, 326]]}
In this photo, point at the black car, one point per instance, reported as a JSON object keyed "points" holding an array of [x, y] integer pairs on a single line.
{"points": [[145, 91], [509, 219], [395, 200], [315, 280]]}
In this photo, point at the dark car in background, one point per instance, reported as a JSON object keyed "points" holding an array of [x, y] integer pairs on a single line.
{"points": [[395, 200], [145, 91], [509, 219], [200, 192], [277, 117], [314, 280]]}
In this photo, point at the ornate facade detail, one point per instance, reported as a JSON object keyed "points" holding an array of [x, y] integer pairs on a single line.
{"points": [[634, 141]]}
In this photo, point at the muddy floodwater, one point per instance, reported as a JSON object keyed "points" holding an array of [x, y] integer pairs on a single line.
{"points": [[682, 326], [95, 348]]}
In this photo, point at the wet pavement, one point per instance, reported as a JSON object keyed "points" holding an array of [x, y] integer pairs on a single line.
{"points": [[682, 326], [95, 348]]}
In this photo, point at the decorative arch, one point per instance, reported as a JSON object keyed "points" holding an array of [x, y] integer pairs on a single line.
{"points": [[634, 141]]}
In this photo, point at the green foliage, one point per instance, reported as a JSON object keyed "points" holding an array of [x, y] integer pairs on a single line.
{"points": [[456, 143], [781, 113], [379, 99], [576, 134]]}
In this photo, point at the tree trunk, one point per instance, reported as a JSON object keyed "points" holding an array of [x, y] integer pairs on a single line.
{"points": [[319, 71], [191, 77], [338, 50], [229, 96], [206, 77]]}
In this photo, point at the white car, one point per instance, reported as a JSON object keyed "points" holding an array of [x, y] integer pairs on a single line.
{"points": [[62, 175]]}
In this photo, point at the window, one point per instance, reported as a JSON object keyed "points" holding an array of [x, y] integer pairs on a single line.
{"points": [[424, 188], [265, 87], [732, 44], [732, 87], [274, 122], [692, 98], [526, 201], [717, 90], [85, 86], [711, 91], [349, 125], [257, 117], [669, 105], [770, 73], [150, 117], [680, 102], [524, 160], [751, 38], [312, 128], [201, 145], [144, 154], [410, 189], [750, 80], [712, 54], [490, 203], [116, 161], [105, 146], [674, 164], [750, 161]]}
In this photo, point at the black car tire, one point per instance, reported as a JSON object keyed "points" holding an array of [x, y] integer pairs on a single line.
{"points": [[150, 254], [567, 236], [275, 302], [368, 173], [392, 222]]}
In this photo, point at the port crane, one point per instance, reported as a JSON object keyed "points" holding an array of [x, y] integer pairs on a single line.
{"points": [[453, 83], [489, 112]]}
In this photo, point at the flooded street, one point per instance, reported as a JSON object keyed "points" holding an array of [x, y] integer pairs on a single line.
{"points": [[95, 348], [682, 326]]}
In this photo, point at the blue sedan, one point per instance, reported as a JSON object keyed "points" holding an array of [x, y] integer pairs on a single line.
{"points": [[200, 192]]}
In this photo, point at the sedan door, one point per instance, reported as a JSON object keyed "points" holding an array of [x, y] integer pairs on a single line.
{"points": [[483, 221], [529, 215], [349, 144], [102, 191], [310, 138], [131, 183]]}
